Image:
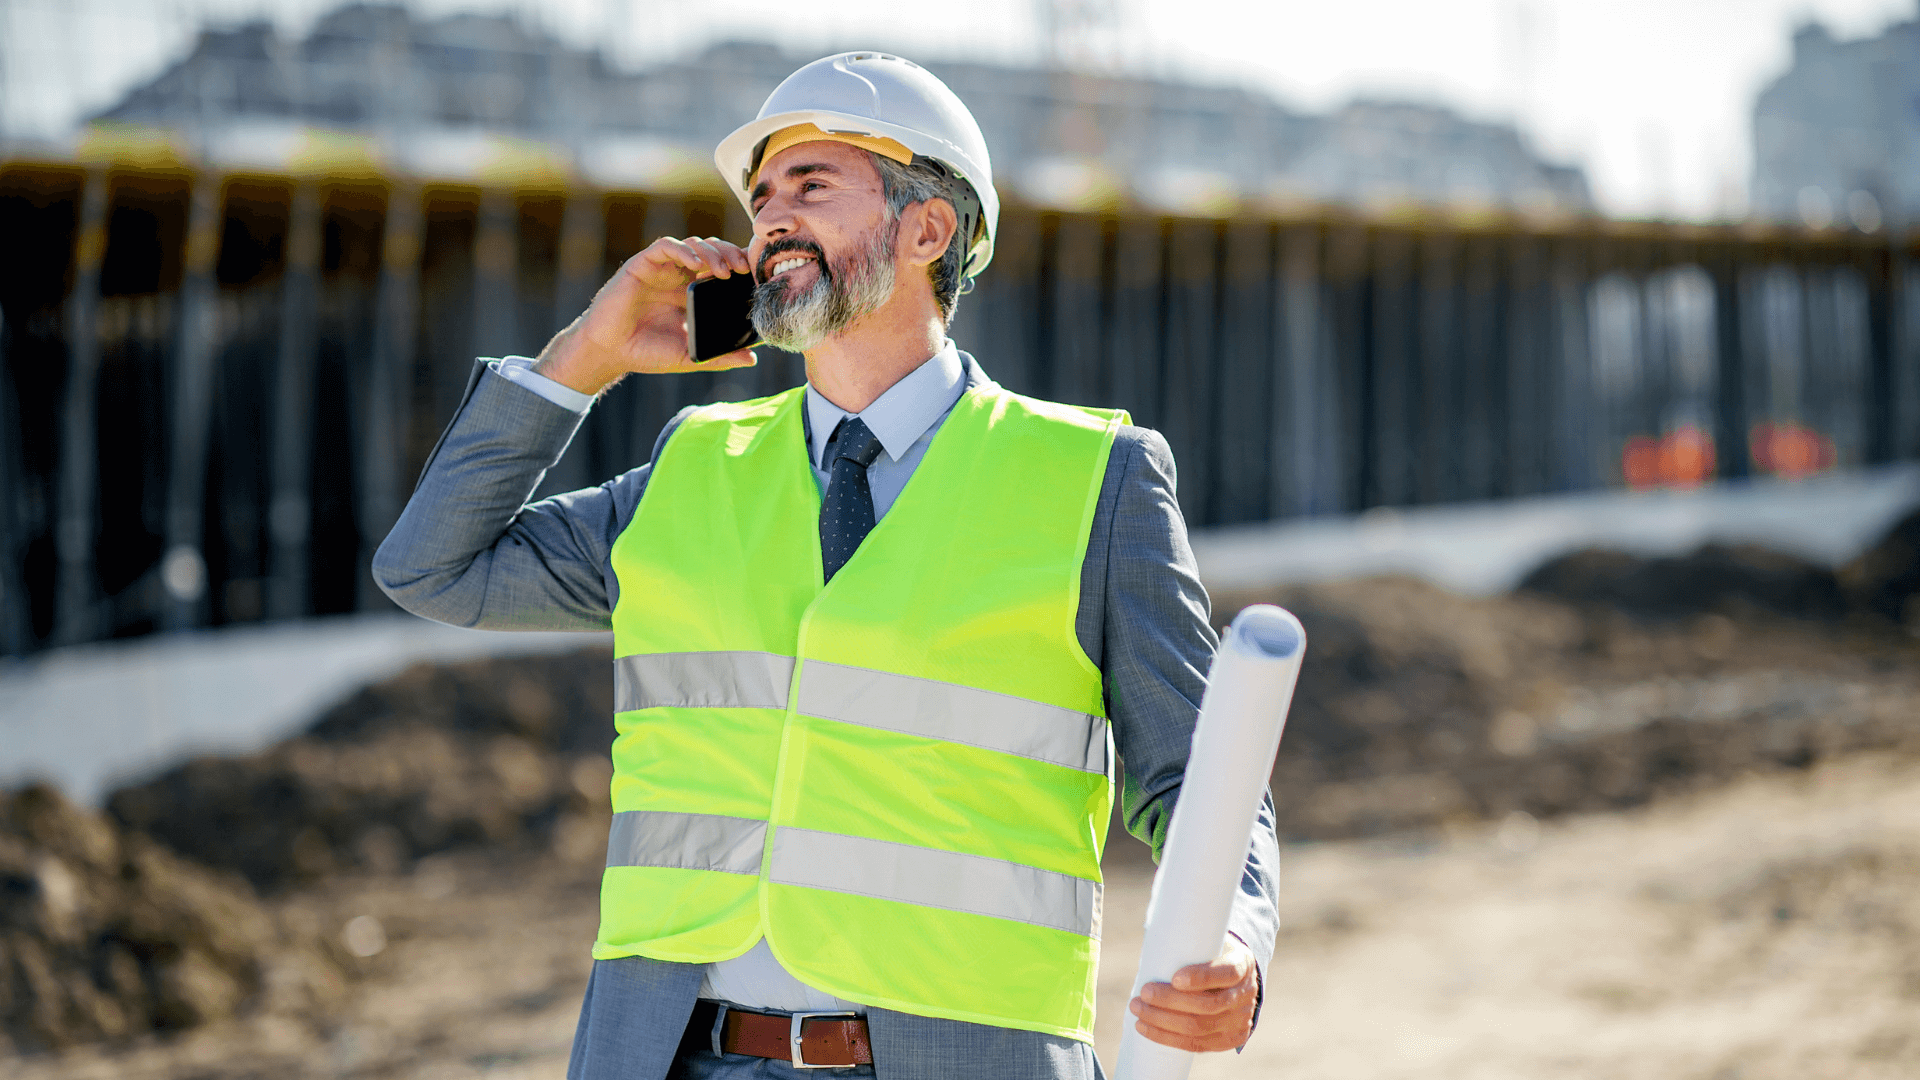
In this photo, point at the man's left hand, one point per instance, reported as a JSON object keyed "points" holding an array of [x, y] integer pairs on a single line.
{"points": [[1206, 1006]]}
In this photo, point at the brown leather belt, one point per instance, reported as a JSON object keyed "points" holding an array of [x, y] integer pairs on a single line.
{"points": [[807, 1040]]}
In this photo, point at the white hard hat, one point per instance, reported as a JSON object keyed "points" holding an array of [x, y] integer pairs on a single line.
{"points": [[877, 96]]}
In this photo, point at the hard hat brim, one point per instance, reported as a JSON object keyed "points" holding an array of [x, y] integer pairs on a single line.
{"points": [[734, 157]]}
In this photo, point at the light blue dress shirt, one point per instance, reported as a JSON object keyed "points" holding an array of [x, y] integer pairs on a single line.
{"points": [[905, 419]]}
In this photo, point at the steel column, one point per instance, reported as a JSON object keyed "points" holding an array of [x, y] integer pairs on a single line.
{"points": [[1905, 339], [1190, 361], [496, 264], [1438, 405], [1076, 343], [1349, 328], [1575, 467], [386, 389], [1483, 345], [15, 631], [1394, 370], [184, 569], [1137, 308], [1529, 364], [1731, 412], [77, 615], [1243, 419], [1304, 455], [1882, 404], [289, 514], [577, 275]]}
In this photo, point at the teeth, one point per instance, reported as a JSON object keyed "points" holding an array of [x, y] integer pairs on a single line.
{"points": [[785, 265]]}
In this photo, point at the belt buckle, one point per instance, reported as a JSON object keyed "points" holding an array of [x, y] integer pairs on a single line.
{"points": [[793, 1038]]}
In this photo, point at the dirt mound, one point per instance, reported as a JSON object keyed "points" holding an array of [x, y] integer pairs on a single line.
{"points": [[105, 935], [556, 703], [1729, 579], [1885, 580], [1417, 707], [498, 752], [1399, 673], [1665, 756]]}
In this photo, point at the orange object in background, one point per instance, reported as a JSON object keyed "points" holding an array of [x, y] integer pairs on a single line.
{"points": [[1683, 458], [1789, 450], [1640, 462]]}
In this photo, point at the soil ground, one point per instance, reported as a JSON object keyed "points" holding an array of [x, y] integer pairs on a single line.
{"points": [[1542, 835], [1770, 928]]}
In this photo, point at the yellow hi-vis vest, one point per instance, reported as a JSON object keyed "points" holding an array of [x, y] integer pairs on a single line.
{"points": [[901, 779]]}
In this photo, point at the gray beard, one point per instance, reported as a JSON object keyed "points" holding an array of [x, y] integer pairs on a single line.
{"points": [[798, 320]]}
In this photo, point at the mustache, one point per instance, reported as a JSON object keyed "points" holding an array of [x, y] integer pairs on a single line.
{"points": [[780, 247]]}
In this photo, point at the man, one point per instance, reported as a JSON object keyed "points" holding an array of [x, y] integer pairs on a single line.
{"points": [[865, 776]]}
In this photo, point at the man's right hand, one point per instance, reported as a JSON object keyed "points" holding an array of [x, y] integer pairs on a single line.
{"points": [[638, 319]]}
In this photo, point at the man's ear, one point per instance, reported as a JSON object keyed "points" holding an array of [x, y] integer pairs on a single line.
{"points": [[926, 228]]}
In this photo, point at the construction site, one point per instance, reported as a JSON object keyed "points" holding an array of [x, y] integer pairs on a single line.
{"points": [[1605, 760]]}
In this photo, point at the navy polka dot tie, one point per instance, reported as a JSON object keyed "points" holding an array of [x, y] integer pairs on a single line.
{"points": [[846, 515]]}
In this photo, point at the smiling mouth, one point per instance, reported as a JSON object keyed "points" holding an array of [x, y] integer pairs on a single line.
{"points": [[785, 265]]}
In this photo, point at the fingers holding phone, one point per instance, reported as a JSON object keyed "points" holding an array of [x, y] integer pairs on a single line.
{"points": [[637, 321], [675, 263]]}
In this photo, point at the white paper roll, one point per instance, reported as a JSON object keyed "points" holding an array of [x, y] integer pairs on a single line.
{"points": [[1241, 718]]}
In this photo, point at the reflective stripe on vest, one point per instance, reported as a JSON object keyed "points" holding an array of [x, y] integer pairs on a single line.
{"points": [[854, 864], [931, 878], [729, 845], [715, 680], [901, 780], [938, 710], [879, 699]]}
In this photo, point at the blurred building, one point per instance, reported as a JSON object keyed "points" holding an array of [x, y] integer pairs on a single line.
{"points": [[436, 96], [1837, 138]]}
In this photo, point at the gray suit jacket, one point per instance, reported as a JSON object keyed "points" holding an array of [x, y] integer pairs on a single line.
{"points": [[470, 551]]}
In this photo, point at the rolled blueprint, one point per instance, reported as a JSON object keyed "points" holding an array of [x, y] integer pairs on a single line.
{"points": [[1238, 732]]}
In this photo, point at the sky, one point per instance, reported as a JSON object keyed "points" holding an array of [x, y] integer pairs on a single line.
{"points": [[1652, 97]]}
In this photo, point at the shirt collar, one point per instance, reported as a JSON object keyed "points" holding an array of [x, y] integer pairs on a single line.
{"points": [[901, 415]]}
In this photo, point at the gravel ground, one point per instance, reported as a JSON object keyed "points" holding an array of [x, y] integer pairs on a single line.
{"points": [[1545, 834], [1770, 928], [483, 963]]}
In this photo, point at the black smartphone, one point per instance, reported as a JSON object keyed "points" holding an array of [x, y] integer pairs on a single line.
{"points": [[720, 317]]}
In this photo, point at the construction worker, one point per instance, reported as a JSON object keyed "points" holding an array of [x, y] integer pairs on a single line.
{"points": [[876, 638]]}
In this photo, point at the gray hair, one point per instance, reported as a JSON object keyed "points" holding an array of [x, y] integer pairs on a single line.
{"points": [[905, 185], [839, 296]]}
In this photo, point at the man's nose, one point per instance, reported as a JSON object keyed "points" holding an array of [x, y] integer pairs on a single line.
{"points": [[774, 219]]}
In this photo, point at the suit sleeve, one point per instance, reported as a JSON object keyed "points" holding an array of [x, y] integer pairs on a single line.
{"points": [[469, 550], [1157, 647]]}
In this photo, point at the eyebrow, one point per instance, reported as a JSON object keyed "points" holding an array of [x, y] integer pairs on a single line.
{"points": [[763, 188]]}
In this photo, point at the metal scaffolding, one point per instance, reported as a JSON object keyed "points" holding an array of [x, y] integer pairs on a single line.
{"points": [[219, 386]]}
